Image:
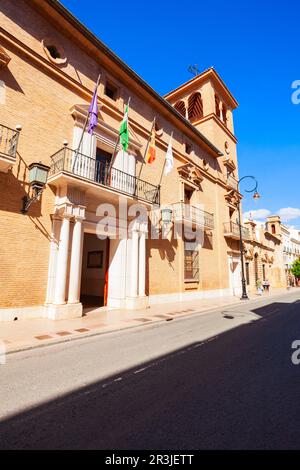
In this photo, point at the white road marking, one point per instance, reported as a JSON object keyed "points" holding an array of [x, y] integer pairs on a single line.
{"points": [[140, 370]]}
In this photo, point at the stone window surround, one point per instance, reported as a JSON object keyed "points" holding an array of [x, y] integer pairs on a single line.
{"points": [[49, 41]]}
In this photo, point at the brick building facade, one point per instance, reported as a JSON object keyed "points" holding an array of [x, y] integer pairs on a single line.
{"points": [[52, 261]]}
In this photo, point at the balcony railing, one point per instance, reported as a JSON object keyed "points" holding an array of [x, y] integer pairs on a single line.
{"points": [[78, 164], [232, 229], [232, 182], [8, 141], [193, 214]]}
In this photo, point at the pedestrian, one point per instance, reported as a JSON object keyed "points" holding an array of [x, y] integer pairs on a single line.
{"points": [[259, 287], [267, 285]]}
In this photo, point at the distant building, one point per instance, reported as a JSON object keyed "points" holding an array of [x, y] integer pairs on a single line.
{"points": [[291, 250], [263, 253]]}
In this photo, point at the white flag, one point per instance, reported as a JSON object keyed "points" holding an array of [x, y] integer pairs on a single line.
{"points": [[169, 158]]}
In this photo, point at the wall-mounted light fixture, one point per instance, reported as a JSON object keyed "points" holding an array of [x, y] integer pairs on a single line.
{"points": [[38, 174], [166, 215], [167, 223]]}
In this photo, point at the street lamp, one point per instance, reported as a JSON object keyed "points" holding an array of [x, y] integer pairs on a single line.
{"points": [[38, 174], [166, 215], [255, 196]]}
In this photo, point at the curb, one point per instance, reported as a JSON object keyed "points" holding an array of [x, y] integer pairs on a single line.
{"points": [[130, 327]]}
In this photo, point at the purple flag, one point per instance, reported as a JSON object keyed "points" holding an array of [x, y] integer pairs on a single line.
{"points": [[93, 111]]}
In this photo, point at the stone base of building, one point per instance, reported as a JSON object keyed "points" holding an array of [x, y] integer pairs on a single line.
{"points": [[137, 303], [21, 313], [68, 311], [129, 303], [182, 296], [63, 312]]}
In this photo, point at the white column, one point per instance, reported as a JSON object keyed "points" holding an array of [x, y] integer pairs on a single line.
{"points": [[134, 264], [52, 260], [142, 264], [62, 262], [76, 259], [117, 273]]}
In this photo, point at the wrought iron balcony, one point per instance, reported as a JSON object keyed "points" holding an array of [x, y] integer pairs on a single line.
{"points": [[74, 163], [232, 183], [185, 212], [232, 230], [8, 147]]}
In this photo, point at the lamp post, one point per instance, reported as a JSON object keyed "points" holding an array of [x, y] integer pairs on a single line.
{"points": [[38, 174], [255, 196]]}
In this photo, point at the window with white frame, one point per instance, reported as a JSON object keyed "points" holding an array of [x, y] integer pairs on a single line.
{"points": [[191, 261]]}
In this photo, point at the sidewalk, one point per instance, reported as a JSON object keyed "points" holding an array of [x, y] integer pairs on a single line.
{"points": [[27, 334]]}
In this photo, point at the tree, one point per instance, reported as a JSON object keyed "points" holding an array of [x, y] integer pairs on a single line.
{"points": [[295, 269]]}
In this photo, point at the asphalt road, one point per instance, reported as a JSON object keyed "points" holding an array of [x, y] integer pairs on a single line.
{"points": [[162, 387]]}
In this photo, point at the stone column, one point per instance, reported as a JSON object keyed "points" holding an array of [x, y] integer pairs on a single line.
{"points": [[142, 264], [221, 111], [52, 259], [76, 260], [134, 264], [62, 262]]}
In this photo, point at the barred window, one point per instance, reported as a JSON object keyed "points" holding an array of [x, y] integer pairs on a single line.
{"points": [[217, 106], [195, 109], [191, 262], [225, 120], [111, 91]]}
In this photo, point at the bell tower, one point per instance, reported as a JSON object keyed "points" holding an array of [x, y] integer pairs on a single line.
{"points": [[207, 103], [273, 225]]}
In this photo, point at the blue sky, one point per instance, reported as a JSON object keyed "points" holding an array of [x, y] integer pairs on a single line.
{"points": [[254, 47]]}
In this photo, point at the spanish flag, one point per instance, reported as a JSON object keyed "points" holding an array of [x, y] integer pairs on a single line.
{"points": [[151, 154]]}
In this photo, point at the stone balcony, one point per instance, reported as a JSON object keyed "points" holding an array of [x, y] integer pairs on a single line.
{"points": [[232, 183], [70, 167], [8, 147], [192, 214], [232, 231]]}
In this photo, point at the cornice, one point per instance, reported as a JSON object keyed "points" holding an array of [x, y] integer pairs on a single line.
{"points": [[219, 122], [79, 112], [49, 67], [260, 245], [201, 79], [60, 15]]}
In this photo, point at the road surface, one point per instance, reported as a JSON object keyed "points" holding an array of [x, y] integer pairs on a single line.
{"points": [[192, 383]]}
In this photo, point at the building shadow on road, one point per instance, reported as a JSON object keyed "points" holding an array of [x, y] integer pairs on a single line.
{"points": [[235, 391]]}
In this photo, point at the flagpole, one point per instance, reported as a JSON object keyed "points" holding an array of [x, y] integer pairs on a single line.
{"points": [[116, 146], [162, 173], [84, 127], [147, 147], [163, 169]]}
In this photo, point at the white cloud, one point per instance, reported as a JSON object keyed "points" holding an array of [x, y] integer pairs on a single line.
{"points": [[289, 213], [258, 214]]}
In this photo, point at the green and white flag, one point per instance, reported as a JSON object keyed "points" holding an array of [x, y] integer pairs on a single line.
{"points": [[124, 135]]}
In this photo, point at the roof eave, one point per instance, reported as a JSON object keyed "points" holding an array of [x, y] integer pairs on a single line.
{"points": [[216, 77], [57, 5]]}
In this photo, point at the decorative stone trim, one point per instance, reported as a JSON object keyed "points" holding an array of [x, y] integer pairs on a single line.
{"points": [[48, 43], [4, 58], [190, 173], [230, 165]]}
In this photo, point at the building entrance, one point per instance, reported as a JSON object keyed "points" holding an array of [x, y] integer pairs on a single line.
{"points": [[94, 276]]}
